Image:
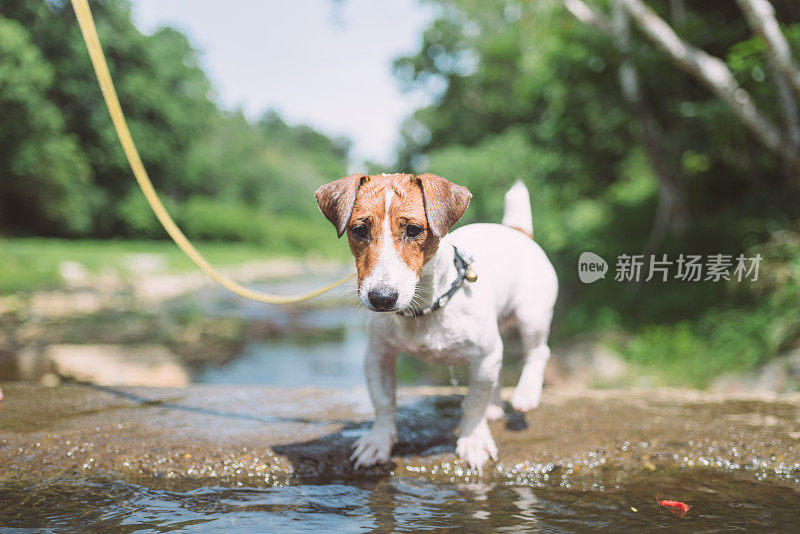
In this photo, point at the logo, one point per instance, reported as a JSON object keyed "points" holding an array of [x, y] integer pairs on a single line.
{"points": [[591, 267], [637, 268]]}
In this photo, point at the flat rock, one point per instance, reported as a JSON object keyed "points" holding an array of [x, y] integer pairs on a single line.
{"points": [[118, 365], [261, 436]]}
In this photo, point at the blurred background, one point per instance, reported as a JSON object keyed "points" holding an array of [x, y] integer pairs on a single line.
{"points": [[640, 127]]}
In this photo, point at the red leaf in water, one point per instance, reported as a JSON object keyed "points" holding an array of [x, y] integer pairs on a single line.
{"points": [[676, 507]]}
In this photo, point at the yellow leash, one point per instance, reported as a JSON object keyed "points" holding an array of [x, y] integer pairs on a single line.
{"points": [[92, 41]]}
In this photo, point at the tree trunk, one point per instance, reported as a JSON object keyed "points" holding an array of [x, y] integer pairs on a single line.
{"points": [[587, 14], [787, 102], [677, 11], [713, 73], [760, 16], [672, 212]]}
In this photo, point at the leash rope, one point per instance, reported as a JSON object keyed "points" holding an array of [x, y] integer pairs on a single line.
{"points": [[89, 32]]}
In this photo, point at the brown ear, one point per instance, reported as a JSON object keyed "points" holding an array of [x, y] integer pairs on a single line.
{"points": [[445, 202], [336, 199]]}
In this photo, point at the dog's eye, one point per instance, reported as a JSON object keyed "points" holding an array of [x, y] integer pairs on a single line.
{"points": [[412, 230], [361, 231]]}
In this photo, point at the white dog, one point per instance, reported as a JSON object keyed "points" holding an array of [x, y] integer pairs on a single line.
{"points": [[443, 295]]}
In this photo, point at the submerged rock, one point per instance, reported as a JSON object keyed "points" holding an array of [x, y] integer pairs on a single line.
{"points": [[587, 364], [781, 374]]}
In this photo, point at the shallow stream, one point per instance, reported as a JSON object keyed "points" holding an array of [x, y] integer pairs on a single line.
{"points": [[718, 503]]}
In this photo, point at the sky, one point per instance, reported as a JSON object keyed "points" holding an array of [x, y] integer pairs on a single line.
{"points": [[325, 63]]}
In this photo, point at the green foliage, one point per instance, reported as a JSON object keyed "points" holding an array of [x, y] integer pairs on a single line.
{"points": [[209, 220], [269, 166], [778, 288], [39, 162], [205, 219], [693, 353], [66, 172]]}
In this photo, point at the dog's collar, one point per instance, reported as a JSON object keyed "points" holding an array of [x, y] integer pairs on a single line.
{"points": [[463, 272]]}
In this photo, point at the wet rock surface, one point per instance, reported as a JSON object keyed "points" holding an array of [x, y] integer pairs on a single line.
{"points": [[260, 436]]}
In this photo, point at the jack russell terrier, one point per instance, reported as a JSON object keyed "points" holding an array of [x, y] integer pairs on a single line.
{"points": [[443, 296]]}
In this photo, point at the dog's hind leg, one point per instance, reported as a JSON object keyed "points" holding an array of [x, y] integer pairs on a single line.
{"points": [[534, 326], [494, 410]]}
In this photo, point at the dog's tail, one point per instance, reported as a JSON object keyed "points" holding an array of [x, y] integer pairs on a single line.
{"points": [[517, 212]]}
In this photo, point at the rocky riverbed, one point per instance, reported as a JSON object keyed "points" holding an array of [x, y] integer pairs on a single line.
{"points": [[259, 436]]}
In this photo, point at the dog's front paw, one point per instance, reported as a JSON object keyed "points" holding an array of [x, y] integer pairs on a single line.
{"points": [[372, 448], [526, 398], [477, 448]]}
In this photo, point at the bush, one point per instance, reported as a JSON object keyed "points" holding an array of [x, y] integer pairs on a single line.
{"points": [[202, 219], [209, 220], [763, 325], [693, 353], [205, 219]]}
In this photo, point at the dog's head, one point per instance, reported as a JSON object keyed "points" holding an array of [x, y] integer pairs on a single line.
{"points": [[394, 223]]}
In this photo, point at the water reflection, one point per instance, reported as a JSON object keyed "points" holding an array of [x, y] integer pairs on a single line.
{"points": [[720, 502]]}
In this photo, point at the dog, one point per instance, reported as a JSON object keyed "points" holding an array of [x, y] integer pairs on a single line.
{"points": [[442, 296]]}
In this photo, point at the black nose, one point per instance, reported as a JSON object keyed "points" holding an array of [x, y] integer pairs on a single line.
{"points": [[382, 298]]}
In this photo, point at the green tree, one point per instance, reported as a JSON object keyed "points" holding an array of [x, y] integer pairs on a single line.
{"points": [[44, 176]]}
